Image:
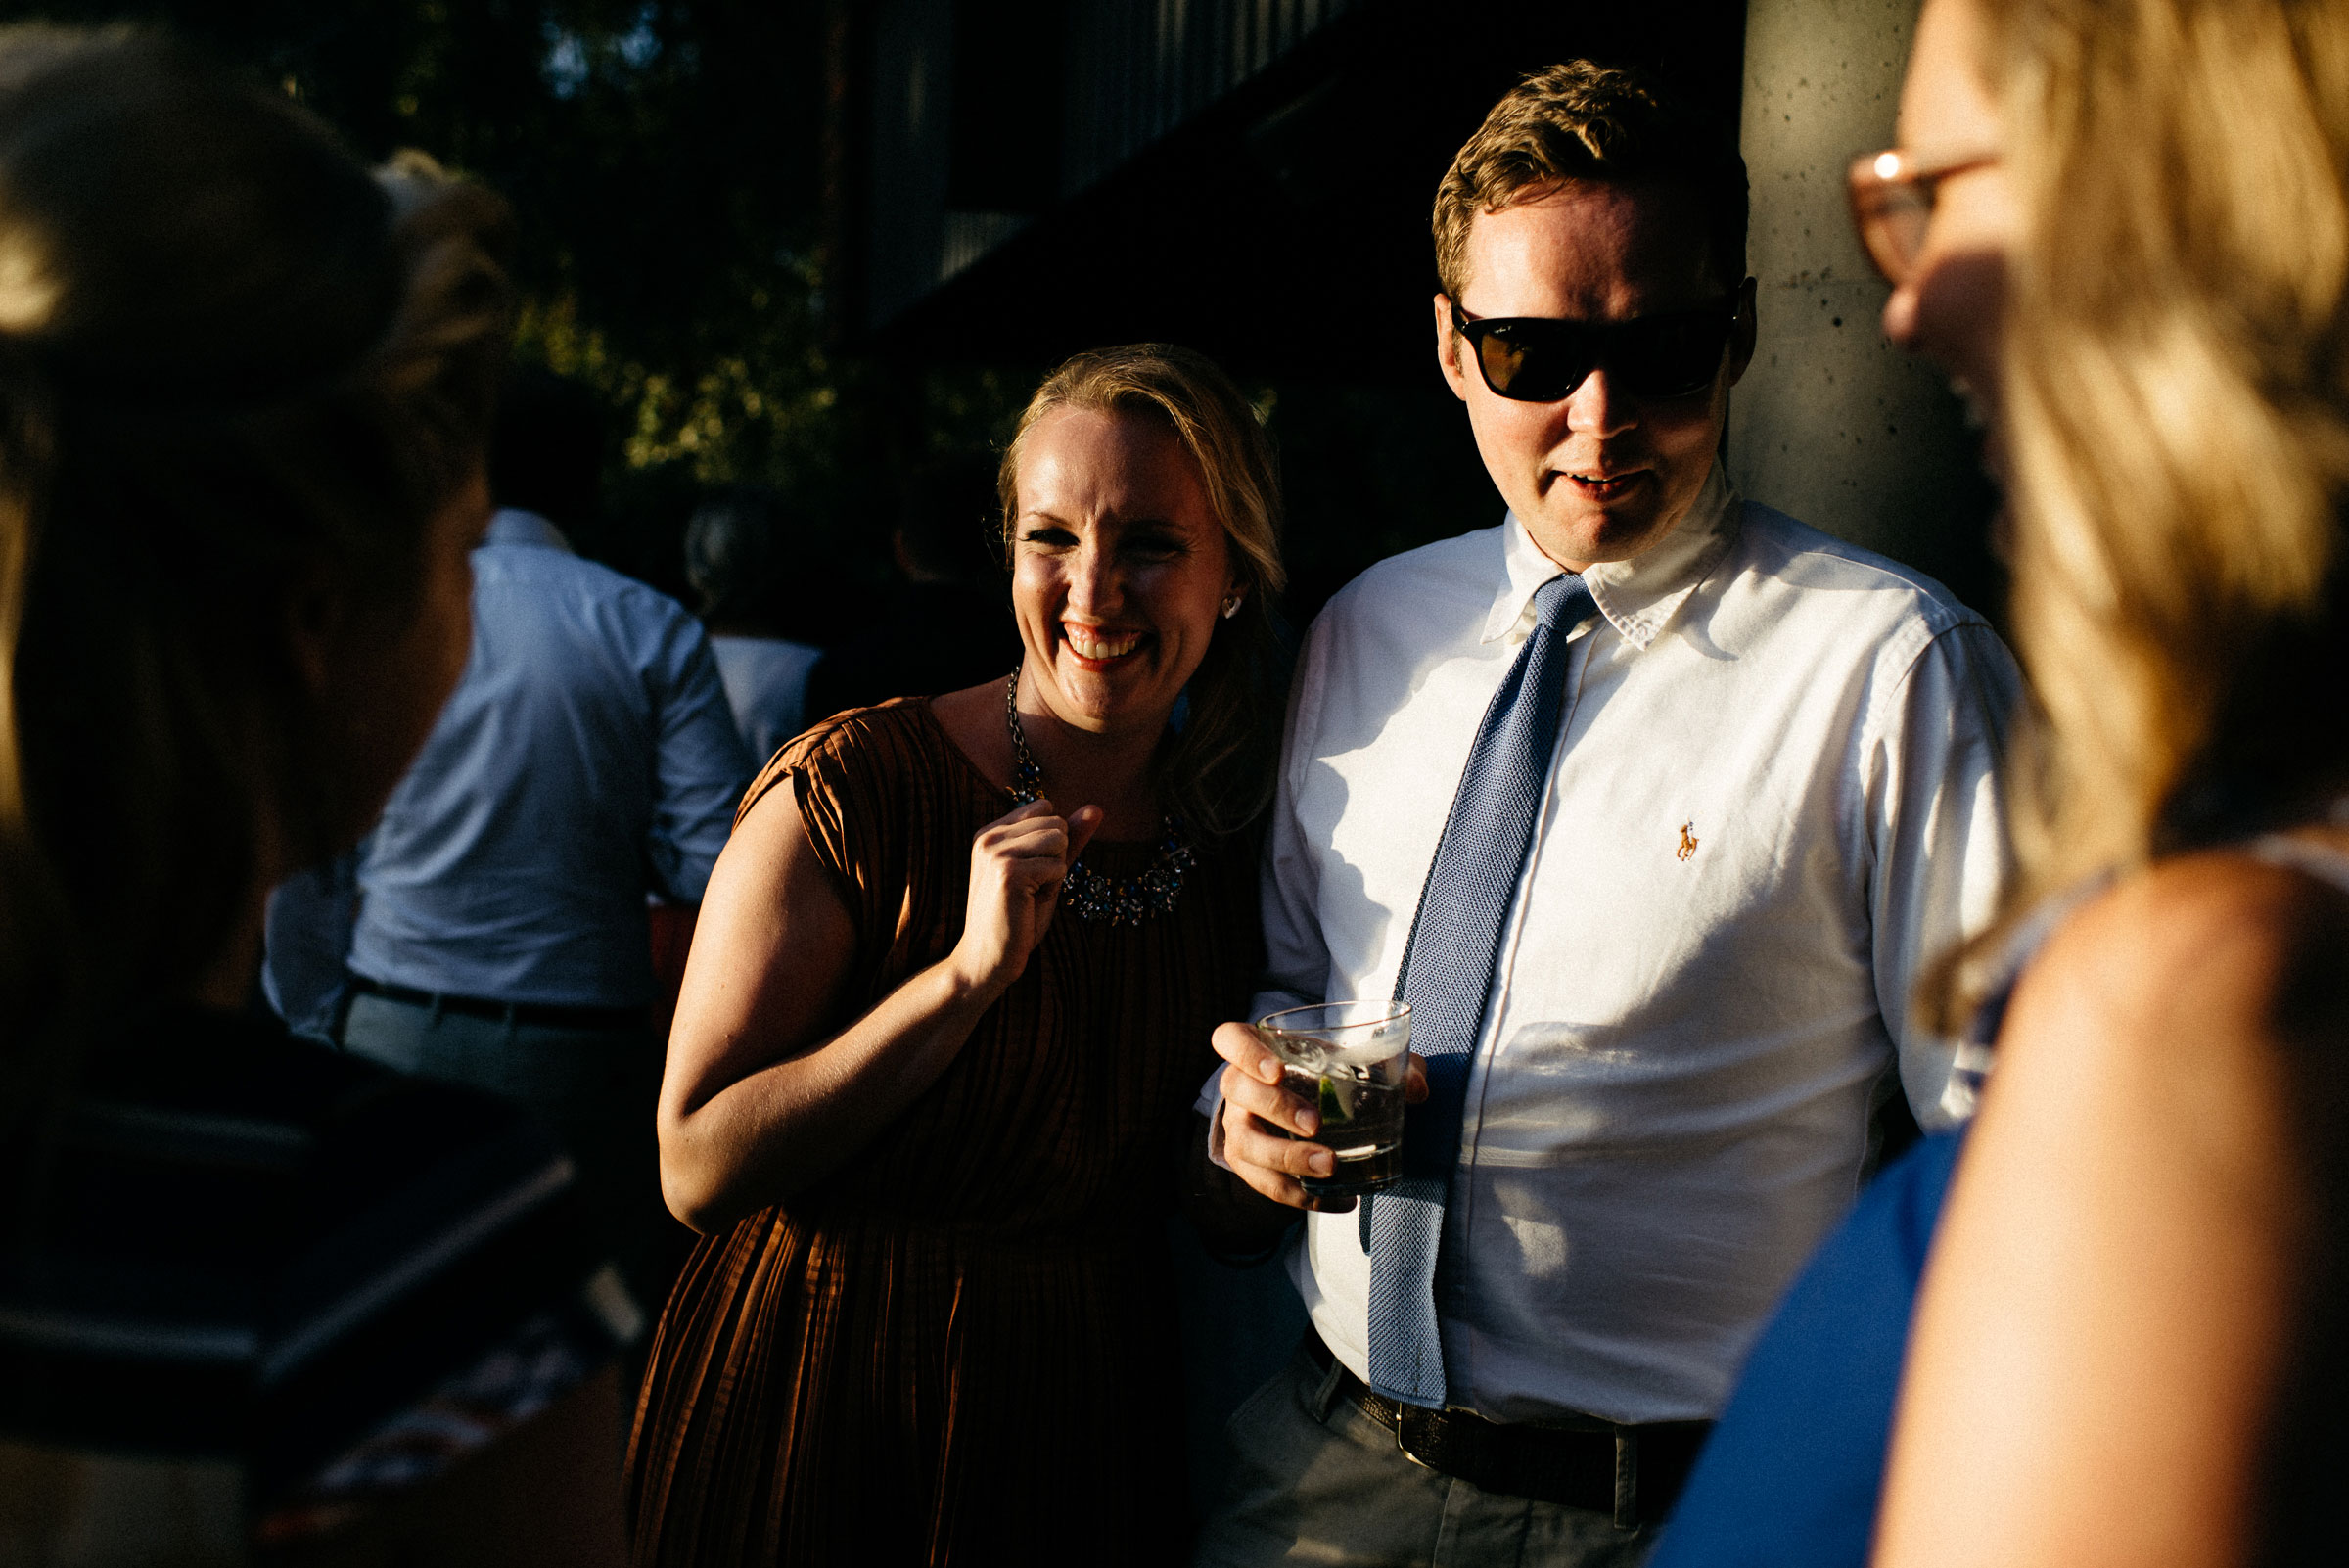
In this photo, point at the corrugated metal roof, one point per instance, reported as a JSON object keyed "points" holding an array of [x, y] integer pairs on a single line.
{"points": [[1137, 69]]}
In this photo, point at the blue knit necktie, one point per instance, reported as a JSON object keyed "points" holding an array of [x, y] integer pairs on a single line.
{"points": [[1446, 977]]}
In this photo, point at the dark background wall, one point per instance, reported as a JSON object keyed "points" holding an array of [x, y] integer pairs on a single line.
{"points": [[1833, 424], [1249, 177]]}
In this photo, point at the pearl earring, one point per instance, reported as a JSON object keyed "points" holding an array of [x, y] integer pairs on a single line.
{"points": [[1232, 607]]}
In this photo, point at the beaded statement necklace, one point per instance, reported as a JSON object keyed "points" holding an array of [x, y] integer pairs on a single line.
{"points": [[1084, 893]]}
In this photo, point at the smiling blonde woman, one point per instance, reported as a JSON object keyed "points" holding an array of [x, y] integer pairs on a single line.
{"points": [[947, 1011]]}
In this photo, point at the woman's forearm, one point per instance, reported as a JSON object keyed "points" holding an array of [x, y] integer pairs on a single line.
{"points": [[780, 1129], [758, 1102]]}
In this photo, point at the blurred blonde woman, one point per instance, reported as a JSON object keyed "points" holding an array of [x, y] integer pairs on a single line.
{"points": [[2124, 225], [929, 1087]]}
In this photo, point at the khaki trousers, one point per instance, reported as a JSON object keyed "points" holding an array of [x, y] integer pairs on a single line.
{"points": [[1314, 1480]]}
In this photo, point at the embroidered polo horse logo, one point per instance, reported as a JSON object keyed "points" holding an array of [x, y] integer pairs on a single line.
{"points": [[1687, 846]]}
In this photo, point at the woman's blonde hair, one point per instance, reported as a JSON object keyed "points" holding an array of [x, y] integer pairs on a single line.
{"points": [[1218, 773], [2175, 407], [231, 362]]}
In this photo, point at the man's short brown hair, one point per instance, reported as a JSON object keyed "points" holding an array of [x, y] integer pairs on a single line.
{"points": [[1584, 121]]}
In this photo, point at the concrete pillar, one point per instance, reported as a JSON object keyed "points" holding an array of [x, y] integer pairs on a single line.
{"points": [[1833, 424]]}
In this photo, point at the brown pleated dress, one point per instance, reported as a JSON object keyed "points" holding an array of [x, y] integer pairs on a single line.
{"points": [[960, 1348]]}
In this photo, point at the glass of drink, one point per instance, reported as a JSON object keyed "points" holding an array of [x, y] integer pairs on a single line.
{"points": [[1347, 1060]]}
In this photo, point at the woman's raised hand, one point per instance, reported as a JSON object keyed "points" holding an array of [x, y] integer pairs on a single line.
{"points": [[759, 1100], [1017, 865]]}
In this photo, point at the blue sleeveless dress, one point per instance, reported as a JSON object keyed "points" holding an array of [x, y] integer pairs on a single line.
{"points": [[1792, 1475]]}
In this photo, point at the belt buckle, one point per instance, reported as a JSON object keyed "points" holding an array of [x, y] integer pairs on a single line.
{"points": [[1452, 1445], [1414, 1425]]}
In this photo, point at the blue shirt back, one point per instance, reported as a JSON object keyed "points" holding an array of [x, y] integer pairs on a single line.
{"points": [[586, 757]]}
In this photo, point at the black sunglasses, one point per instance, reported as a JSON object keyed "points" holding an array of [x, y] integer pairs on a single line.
{"points": [[1540, 360]]}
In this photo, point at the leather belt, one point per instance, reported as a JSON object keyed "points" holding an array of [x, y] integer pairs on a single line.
{"points": [[536, 1015], [1634, 1473]]}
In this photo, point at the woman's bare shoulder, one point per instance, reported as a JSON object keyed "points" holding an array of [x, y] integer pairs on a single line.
{"points": [[2176, 991], [2215, 934], [2113, 1278], [856, 753]]}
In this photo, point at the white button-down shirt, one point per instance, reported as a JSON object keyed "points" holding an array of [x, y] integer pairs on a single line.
{"points": [[1774, 801]]}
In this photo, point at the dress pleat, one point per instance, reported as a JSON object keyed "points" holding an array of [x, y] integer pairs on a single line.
{"points": [[959, 1347]]}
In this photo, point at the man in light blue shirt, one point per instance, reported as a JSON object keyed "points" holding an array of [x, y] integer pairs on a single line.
{"points": [[588, 757], [586, 760]]}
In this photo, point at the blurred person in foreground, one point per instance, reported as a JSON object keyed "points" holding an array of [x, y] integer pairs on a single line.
{"points": [[943, 1018], [744, 567], [1653, 803], [256, 1298], [2123, 224], [587, 758], [943, 626]]}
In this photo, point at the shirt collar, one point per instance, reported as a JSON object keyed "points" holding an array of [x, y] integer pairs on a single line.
{"points": [[510, 525], [1637, 596]]}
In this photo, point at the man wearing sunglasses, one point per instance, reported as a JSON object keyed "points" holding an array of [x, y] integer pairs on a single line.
{"points": [[1653, 805]]}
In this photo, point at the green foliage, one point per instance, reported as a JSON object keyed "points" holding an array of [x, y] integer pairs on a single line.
{"points": [[663, 158]]}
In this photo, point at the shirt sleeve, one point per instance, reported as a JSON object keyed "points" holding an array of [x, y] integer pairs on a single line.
{"points": [[1938, 817], [1296, 957], [700, 763], [304, 963]]}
